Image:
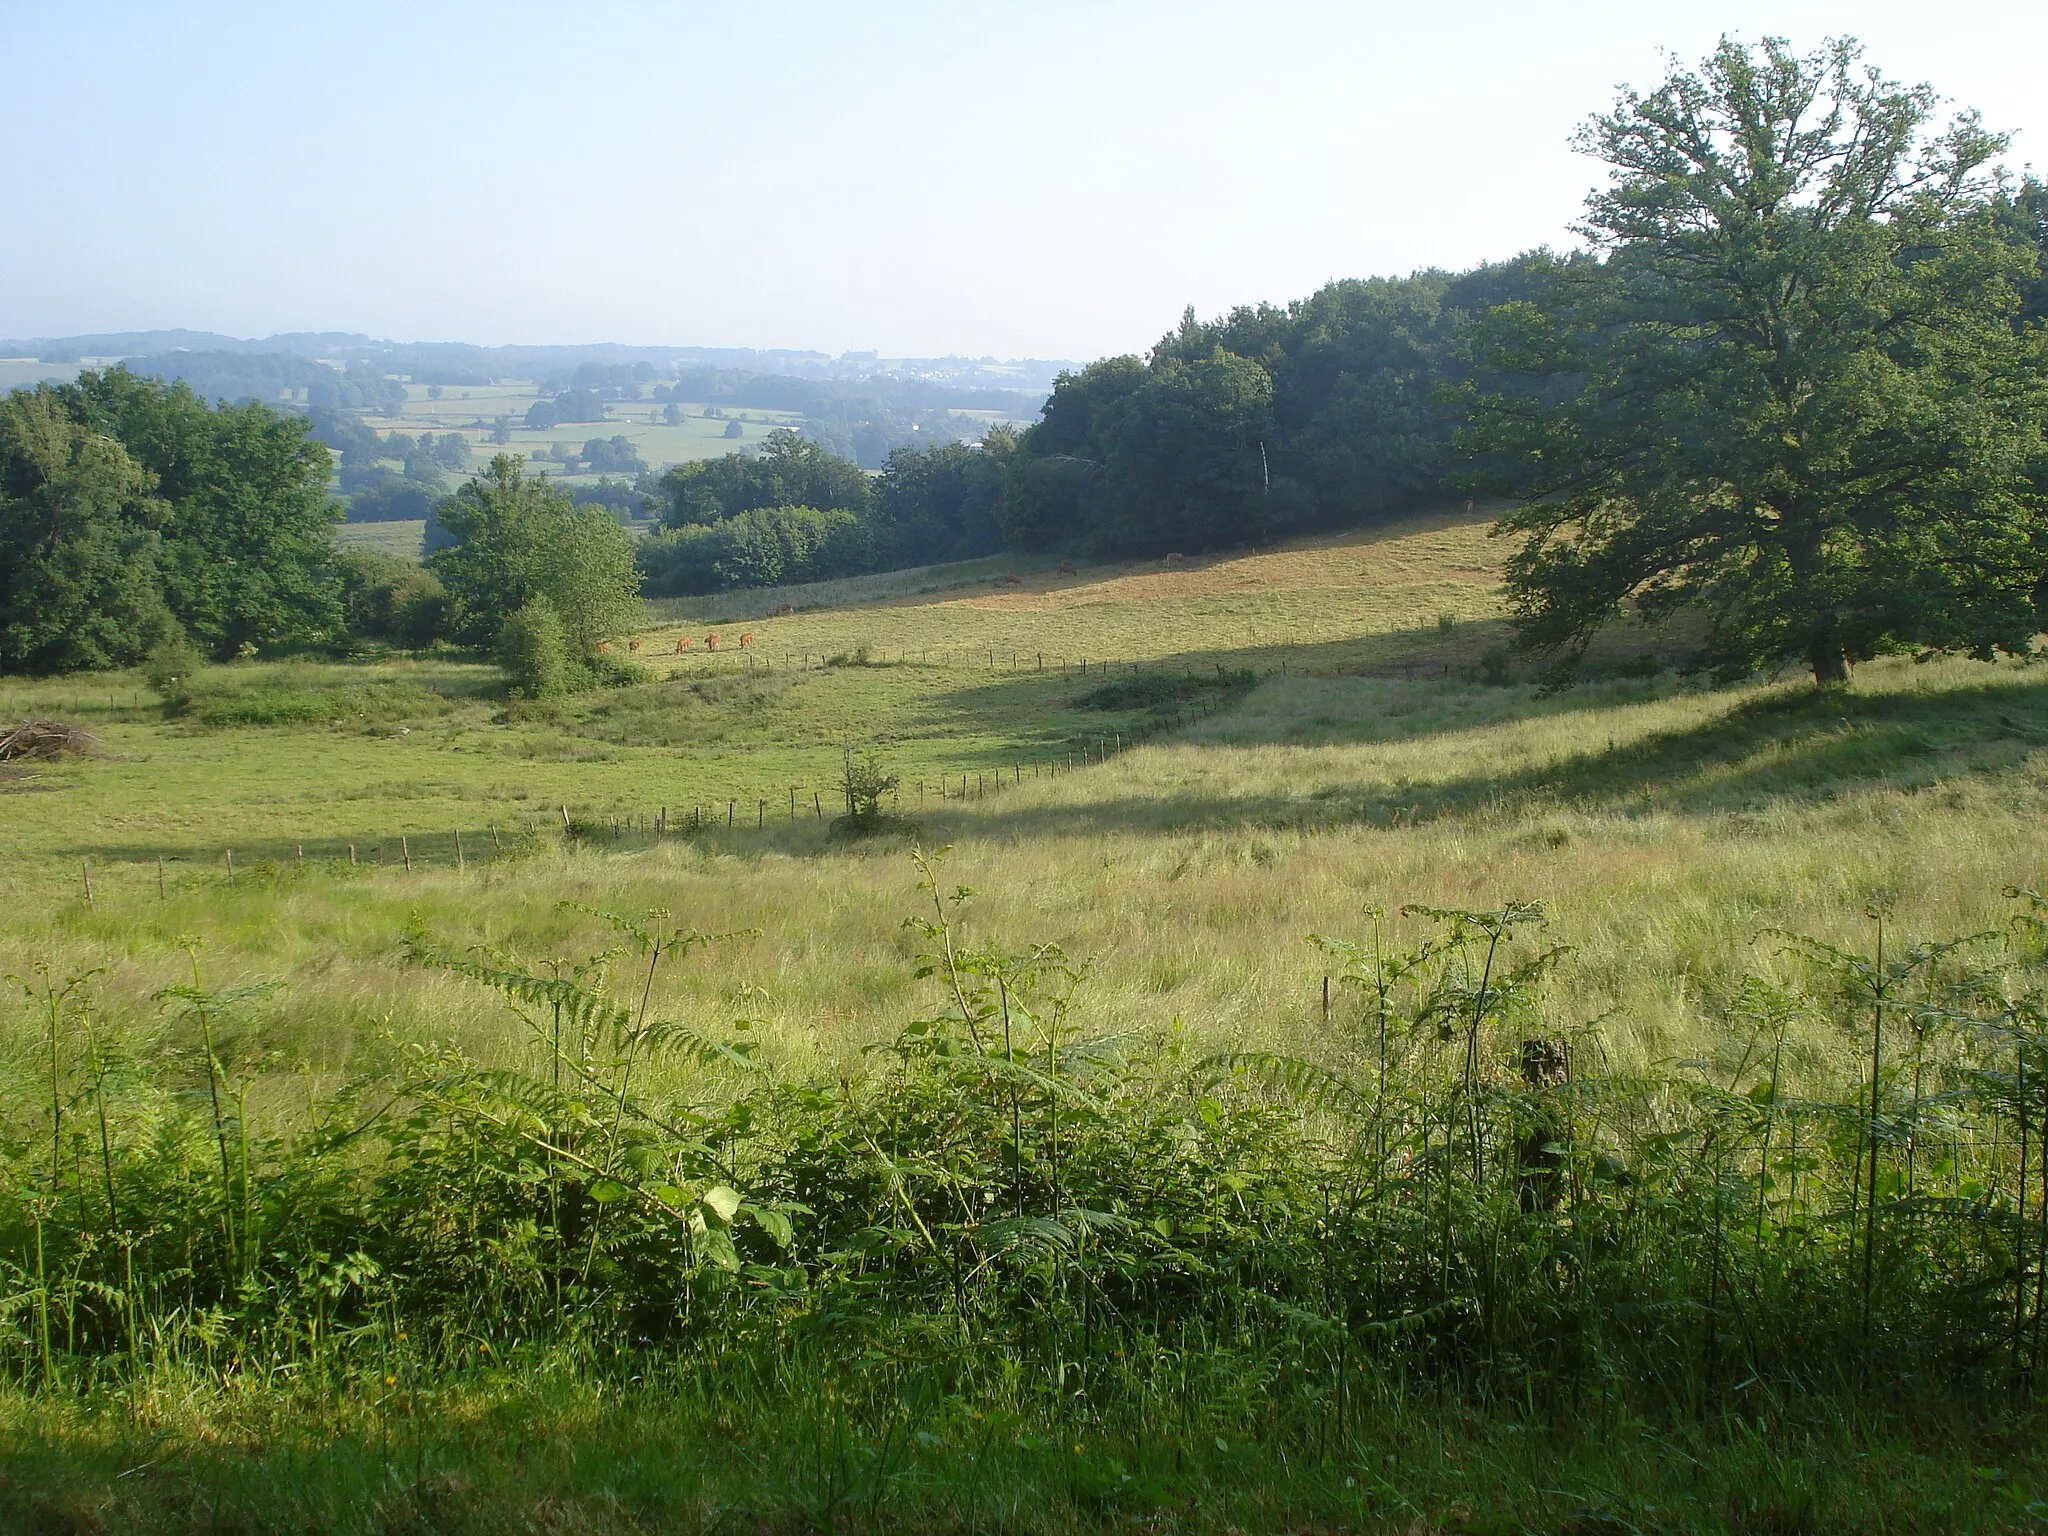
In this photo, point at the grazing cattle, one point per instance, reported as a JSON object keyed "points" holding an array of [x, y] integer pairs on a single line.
{"points": [[1176, 560], [682, 644], [1013, 581], [711, 642], [633, 646], [1066, 567], [603, 646], [746, 640], [781, 609]]}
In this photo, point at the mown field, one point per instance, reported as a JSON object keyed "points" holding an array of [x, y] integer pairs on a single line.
{"points": [[1262, 747]]}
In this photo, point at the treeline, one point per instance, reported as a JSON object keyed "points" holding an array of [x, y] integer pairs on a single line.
{"points": [[135, 516], [276, 377], [796, 512], [1270, 420], [139, 523], [1322, 413]]}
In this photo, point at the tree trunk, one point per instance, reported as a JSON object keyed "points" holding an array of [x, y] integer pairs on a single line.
{"points": [[1824, 654]]}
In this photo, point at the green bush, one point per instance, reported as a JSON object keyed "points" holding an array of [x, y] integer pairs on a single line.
{"points": [[384, 597], [762, 547], [173, 669], [533, 648], [1461, 1193], [1163, 693]]}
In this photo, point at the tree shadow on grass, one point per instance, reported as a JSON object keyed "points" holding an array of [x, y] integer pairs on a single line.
{"points": [[1344, 706], [1797, 746], [1803, 747]]}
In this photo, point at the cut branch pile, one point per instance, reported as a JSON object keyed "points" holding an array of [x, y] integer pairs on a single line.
{"points": [[32, 739]]}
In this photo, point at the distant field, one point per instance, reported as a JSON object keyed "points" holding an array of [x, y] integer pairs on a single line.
{"points": [[396, 538], [462, 408], [18, 371], [1380, 599]]}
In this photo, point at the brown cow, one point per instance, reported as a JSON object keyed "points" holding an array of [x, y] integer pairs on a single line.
{"points": [[1066, 567], [746, 640], [711, 641], [781, 609], [633, 646], [1176, 559], [1013, 581], [603, 646], [682, 644]]}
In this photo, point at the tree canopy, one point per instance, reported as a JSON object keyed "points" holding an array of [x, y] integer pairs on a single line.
{"points": [[788, 471], [247, 554], [80, 585], [1320, 413], [511, 539], [138, 508], [1796, 393]]}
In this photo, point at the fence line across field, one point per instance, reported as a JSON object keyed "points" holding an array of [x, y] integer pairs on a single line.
{"points": [[703, 815], [708, 662]]}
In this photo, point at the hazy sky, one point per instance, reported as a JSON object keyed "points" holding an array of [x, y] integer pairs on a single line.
{"points": [[1039, 179]]}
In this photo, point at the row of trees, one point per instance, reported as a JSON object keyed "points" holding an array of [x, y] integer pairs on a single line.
{"points": [[137, 518], [1796, 387], [797, 512]]}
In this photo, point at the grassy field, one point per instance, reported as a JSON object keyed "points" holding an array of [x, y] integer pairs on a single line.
{"points": [[469, 410], [1667, 823], [400, 538], [1306, 732]]}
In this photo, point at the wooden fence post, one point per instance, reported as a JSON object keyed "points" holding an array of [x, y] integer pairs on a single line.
{"points": [[161, 893], [459, 864], [231, 866], [85, 871], [405, 848]]}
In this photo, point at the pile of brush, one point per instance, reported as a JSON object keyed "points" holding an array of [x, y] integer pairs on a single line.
{"points": [[32, 739]]}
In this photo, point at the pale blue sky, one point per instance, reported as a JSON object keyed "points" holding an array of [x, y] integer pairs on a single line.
{"points": [[1040, 179]]}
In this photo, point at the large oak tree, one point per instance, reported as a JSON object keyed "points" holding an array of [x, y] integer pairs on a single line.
{"points": [[1795, 393]]}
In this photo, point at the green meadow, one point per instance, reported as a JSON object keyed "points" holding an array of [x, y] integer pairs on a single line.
{"points": [[1176, 772], [1322, 738]]}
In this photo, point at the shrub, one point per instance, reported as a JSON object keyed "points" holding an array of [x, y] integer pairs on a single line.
{"points": [[533, 648], [386, 597], [864, 782], [761, 547], [1163, 693], [173, 669]]}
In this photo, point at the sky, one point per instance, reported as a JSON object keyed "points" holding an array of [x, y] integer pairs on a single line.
{"points": [[1042, 180]]}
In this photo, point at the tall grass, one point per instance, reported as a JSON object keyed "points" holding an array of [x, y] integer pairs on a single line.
{"points": [[1460, 1189]]}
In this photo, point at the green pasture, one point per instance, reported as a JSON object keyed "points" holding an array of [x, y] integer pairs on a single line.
{"points": [[461, 407], [400, 538], [1295, 738], [1366, 761]]}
